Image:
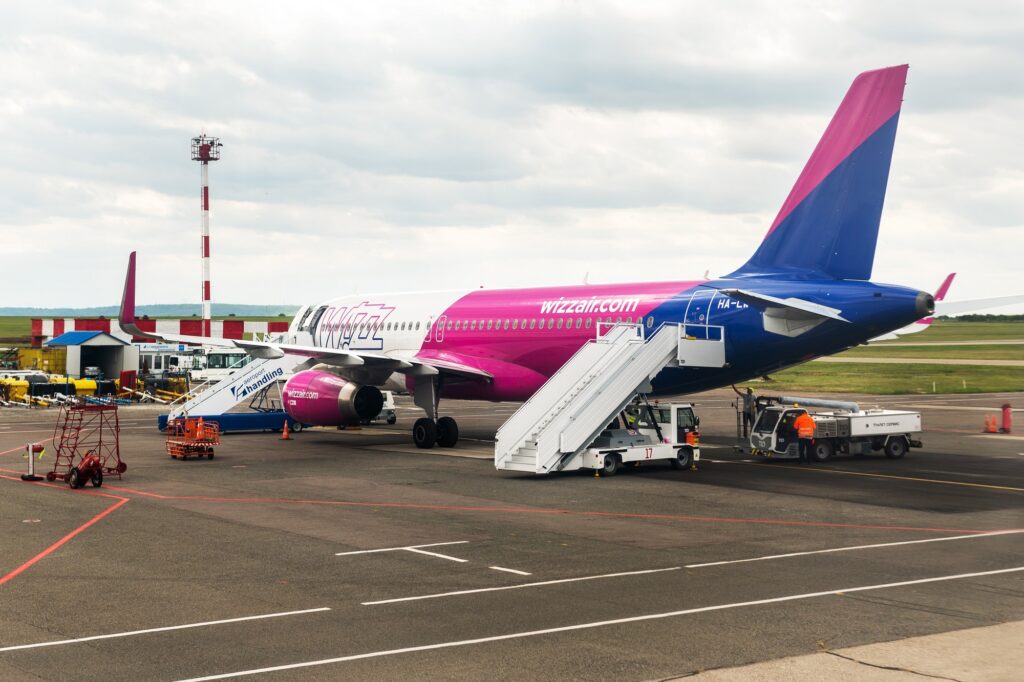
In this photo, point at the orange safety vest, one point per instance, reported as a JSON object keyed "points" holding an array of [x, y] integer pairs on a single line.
{"points": [[804, 426]]}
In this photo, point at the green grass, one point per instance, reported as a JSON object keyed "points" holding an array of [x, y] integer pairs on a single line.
{"points": [[884, 379], [940, 352]]}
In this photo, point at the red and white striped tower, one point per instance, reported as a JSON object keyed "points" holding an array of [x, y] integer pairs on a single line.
{"points": [[204, 150]]}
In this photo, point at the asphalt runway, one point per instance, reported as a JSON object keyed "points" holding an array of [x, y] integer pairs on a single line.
{"points": [[353, 555]]}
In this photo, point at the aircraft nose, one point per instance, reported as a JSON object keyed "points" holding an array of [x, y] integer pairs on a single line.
{"points": [[925, 304]]}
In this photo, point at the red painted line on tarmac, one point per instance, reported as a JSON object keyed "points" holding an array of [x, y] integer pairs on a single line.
{"points": [[121, 501], [564, 512]]}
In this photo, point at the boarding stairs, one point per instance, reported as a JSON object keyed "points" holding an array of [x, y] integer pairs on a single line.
{"points": [[572, 408], [246, 382]]}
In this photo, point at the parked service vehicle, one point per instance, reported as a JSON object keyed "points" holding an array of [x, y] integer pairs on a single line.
{"points": [[644, 433], [387, 412], [847, 431]]}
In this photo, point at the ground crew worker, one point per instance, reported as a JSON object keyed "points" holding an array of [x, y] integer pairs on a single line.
{"points": [[749, 409], [804, 426]]}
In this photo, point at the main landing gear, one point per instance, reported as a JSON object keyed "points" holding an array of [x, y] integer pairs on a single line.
{"points": [[444, 432], [429, 431]]}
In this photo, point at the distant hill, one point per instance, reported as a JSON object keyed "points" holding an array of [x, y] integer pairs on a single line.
{"points": [[159, 310]]}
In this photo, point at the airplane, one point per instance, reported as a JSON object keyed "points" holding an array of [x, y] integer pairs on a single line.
{"points": [[804, 293]]}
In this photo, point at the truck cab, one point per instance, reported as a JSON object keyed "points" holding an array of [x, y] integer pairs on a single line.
{"points": [[644, 433], [774, 434]]}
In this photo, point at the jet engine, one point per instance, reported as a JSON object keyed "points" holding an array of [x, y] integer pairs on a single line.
{"points": [[325, 399]]}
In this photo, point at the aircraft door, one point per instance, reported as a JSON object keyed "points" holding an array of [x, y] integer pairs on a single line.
{"points": [[697, 312], [439, 328]]}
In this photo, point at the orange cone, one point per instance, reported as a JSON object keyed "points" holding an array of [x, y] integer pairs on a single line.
{"points": [[990, 425], [284, 432]]}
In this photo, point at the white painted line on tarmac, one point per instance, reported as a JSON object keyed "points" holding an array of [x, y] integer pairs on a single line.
{"points": [[517, 587], [396, 549], [850, 549], [595, 624], [132, 633], [508, 570], [439, 556], [997, 436]]}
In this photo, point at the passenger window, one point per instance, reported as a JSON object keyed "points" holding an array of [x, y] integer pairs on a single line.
{"points": [[504, 325], [588, 323], [559, 323], [449, 325], [490, 324], [523, 325], [417, 325], [650, 322], [629, 320], [579, 322], [472, 325], [551, 323], [515, 324], [533, 324]]}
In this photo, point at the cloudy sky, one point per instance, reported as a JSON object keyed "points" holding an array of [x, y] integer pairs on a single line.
{"points": [[391, 146]]}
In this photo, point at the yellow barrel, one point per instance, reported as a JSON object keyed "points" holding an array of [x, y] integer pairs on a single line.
{"points": [[85, 386]]}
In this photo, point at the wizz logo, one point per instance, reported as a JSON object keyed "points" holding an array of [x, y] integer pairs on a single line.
{"points": [[356, 327]]}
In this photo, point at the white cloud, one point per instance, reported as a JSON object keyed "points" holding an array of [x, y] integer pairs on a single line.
{"points": [[403, 147]]}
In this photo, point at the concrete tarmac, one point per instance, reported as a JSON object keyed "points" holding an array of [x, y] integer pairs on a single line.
{"points": [[353, 555]]}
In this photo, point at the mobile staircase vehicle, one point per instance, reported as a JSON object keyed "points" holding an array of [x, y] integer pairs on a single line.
{"points": [[845, 429], [565, 424], [215, 400]]}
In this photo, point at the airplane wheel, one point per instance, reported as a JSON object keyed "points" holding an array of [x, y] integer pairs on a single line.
{"points": [[683, 458], [447, 432], [424, 433], [612, 462]]}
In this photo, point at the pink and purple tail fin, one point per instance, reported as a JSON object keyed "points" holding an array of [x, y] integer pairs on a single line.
{"points": [[828, 225]]}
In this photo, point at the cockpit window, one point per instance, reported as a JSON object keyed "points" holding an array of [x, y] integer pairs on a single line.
{"points": [[316, 318]]}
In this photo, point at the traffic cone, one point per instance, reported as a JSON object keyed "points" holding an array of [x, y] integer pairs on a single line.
{"points": [[990, 424], [284, 432]]}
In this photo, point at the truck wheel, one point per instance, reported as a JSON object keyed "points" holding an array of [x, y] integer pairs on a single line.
{"points": [[683, 458], [612, 462], [896, 447], [296, 427], [822, 450]]}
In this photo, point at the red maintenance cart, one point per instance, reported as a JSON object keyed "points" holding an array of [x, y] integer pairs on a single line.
{"points": [[88, 444], [187, 436]]}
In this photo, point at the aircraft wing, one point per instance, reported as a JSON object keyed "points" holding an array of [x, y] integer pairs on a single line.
{"points": [[974, 305], [759, 300], [314, 355]]}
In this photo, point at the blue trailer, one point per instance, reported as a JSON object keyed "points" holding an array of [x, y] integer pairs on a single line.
{"points": [[246, 421]]}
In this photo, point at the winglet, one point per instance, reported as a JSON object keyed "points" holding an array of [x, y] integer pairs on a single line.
{"points": [[127, 313], [126, 316], [944, 288]]}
